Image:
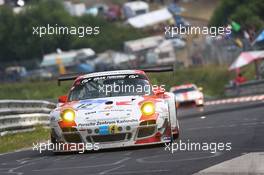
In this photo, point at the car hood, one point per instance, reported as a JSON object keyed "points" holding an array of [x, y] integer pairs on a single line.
{"points": [[112, 110], [188, 95]]}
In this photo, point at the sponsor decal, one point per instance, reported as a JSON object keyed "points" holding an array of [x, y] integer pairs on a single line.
{"points": [[133, 76], [85, 80], [116, 76], [123, 103], [90, 104], [103, 130], [127, 121], [109, 77], [166, 138], [83, 125], [113, 110], [108, 107], [107, 122], [91, 112], [113, 129], [84, 106]]}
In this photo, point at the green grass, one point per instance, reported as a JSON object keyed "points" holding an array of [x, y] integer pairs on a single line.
{"points": [[34, 90], [12, 142], [212, 78]]}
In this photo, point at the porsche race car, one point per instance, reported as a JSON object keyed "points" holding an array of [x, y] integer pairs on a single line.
{"points": [[188, 94], [100, 109]]}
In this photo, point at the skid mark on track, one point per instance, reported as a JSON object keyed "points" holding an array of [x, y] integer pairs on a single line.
{"points": [[84, 167], [227, 126], [17, 151], [22, 161], [112, 169], [140, 172], [157, 158], [18, 164], [14, 170]]}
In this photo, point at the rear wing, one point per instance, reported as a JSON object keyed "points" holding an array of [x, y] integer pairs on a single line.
{"points": [[73, 76], [68, 77]]}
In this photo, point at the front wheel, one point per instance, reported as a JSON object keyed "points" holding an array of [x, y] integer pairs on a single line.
{"points": [[177, 105], [175, 133], [53, 139], [54, 142]]}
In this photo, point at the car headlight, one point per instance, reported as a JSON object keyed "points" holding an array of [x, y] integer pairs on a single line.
{"points": [[68, 115], [148, 108]]}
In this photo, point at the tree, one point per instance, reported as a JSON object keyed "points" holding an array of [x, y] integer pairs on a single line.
{"points": [[248, 13], [19, 44]]}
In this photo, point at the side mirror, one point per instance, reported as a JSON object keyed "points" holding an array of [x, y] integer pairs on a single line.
{"points": [[200, 89], [63, 99], [159, 91]]}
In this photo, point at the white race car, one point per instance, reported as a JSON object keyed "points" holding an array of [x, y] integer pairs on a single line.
{"points": [[188, 94], [99, 109]]}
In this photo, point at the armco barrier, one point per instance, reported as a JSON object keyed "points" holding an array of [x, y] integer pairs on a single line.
{"points": [[19, 115], [248, 88]]}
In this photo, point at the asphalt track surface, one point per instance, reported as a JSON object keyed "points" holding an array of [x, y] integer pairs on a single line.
{"points": [[244, 128]]}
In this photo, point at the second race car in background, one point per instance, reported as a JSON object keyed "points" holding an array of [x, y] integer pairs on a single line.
{"points": [[188, 94]]}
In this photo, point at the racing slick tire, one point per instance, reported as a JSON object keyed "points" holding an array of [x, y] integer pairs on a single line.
{"points": [[54, 142], [175, 136]]}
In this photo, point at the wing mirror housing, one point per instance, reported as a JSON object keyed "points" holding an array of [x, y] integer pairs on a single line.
{"points": [[158, 91], [63, 99]]}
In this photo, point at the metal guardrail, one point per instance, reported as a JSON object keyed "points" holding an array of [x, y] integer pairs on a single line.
{"points": [[248, 88], [20, 115]]}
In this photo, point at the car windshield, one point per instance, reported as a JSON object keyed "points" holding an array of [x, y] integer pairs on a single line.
{"points": [[140, 12], [110, 86], [183, 90]]}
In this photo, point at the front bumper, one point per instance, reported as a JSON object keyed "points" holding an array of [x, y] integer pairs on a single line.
{"points": [[128, 136], [198, 101]]}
